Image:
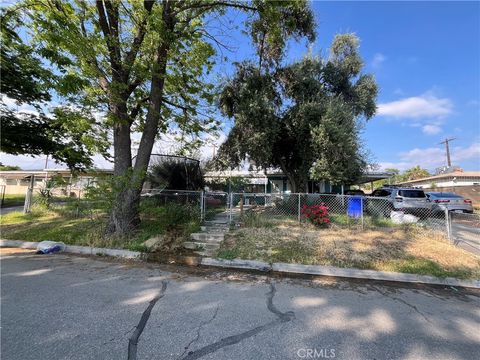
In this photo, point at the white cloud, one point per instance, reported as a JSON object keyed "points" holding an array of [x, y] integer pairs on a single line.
{"points": [[378, 59], [430, 129], [433, 157], [423, 106], [471, 152]]}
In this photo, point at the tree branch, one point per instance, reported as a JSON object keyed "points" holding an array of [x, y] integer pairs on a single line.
{"points": [[113, 49], [138, 40], [212, 5], [104, 84]]}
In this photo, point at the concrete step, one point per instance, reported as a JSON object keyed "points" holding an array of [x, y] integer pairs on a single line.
{"points": [[205, 253], [218, 222], [208, 237], [214, 229], [200, 246]]}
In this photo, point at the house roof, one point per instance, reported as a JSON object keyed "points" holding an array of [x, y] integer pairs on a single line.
{"points": [[22, 174], [369, 176], [465, 174]]}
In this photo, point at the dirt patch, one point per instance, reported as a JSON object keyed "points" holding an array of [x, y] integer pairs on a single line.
{"points": [[9, 251], [401, 249]]}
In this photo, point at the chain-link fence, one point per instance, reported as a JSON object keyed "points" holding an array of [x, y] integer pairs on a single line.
{"points": [[68, 199], [163, 197], [361, 212]]}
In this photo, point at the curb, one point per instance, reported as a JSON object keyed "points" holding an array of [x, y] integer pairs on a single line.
{"points": [[283, 268], [319, 270], [74, 249]]}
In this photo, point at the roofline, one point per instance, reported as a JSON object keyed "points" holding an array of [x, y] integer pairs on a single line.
{"points": [[447, 175]]}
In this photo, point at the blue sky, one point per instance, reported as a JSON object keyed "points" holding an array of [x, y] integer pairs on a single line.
{"points": [[426, 59]]}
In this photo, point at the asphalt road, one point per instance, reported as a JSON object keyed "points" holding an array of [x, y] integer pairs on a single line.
{"points": [[67, 307], [466, 234]]}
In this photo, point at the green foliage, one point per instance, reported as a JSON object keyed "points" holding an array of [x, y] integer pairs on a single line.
{"points": [[66, 134], [414, 173], [46, 191], [230, 184], [177, 216], [304, 118], [146, 65], [9, 167], [104, 191], [253, 220]]}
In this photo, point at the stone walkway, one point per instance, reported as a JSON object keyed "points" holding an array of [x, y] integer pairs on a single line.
{"points": [[207, 242]]}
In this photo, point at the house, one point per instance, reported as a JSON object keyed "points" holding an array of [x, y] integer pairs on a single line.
{"points": [[453, 179], [464, 183], [274, 181], [18, 181]]}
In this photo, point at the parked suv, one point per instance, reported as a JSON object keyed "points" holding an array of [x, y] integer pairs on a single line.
{"points": [[410, 200]]}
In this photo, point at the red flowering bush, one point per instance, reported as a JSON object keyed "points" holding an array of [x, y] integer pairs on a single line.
{"points": [[316, 214]]}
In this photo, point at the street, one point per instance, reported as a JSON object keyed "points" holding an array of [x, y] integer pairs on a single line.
{"points": [[70, 307], [466, 232]]}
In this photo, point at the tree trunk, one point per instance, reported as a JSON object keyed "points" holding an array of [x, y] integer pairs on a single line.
{"points": [[125, 216], [124, 213]]}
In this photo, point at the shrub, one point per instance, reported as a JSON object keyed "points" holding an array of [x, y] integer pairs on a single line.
{"points": [[316, 214]]}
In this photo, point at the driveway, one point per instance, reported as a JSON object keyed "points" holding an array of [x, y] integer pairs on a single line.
{"points": [[7, 210], [67, 307], [466, 231]]}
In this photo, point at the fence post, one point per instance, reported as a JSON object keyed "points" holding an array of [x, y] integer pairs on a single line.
{"points": [[447, 224], [231, 208], [202, 209], [361, 211], [299, 216], [28, 195], [4, 188]]}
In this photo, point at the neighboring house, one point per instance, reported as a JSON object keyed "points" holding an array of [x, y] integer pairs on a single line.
{"points": [[456, 178], [465, 183], [18, 181], [274, 181]]}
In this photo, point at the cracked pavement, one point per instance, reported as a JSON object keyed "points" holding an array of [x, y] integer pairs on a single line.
{"points": [[70, 307]]}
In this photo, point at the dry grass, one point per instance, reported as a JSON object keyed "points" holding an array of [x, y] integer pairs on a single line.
{"points": [[402, 249]]}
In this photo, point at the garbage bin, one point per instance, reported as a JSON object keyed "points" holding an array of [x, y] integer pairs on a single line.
{"points": [[355, 206]]}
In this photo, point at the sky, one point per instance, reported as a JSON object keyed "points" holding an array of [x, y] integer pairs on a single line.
{"points": [[425, 57]]}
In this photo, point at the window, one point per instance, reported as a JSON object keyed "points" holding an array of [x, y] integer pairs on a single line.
{"points": [[449, 195], [381, 192], [412, 193]]}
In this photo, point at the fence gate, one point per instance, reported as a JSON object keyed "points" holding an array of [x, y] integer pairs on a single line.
{"points": [[215, 202]]}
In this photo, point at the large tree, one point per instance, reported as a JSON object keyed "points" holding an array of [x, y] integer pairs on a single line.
{"points": [[67, 135], [144, 64], [304, 118], [415, 173]]}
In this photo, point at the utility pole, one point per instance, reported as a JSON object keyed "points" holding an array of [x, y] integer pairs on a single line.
{"points": [[447, 147]]}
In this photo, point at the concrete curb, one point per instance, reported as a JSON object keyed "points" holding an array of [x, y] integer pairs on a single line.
{"points": [[294, 269], [237, 264], [319, 270], [75, 249]]}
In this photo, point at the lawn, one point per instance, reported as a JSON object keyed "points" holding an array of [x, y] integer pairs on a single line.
{"points": [[59, 225], [388, 248], [13, 200]]}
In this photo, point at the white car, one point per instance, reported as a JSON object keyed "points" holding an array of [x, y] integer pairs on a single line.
{"points": [[451, 201]]}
